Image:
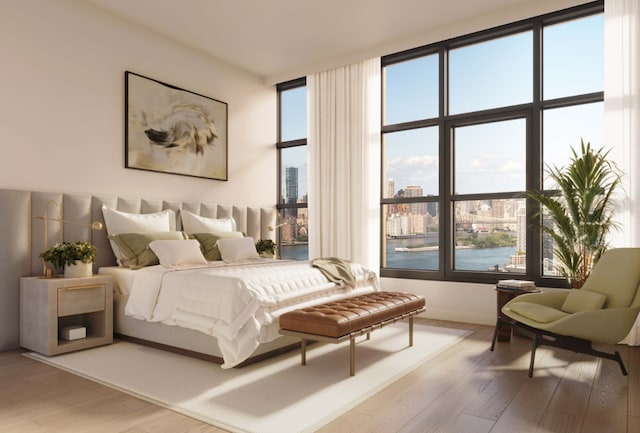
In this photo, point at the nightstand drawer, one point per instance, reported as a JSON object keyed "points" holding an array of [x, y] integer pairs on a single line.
{"points": [[80, 299]]}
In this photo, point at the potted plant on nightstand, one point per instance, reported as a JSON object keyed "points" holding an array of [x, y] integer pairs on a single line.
{"points": [[582, 211], [75, 257]]}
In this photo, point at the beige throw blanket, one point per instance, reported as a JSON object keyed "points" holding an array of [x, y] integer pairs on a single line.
{"points": [[336, 270]]}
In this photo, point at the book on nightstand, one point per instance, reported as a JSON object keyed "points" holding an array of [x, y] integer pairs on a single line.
{"points": [[73, 332], [515, 284]]}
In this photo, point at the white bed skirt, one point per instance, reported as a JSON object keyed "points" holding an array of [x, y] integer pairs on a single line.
{"points": [[176, 337]]}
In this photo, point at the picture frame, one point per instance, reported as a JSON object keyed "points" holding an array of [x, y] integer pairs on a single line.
{"points": [[173, 130]]}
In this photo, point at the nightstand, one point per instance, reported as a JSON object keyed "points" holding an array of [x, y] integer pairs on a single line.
{"points": [[506, 291], [49, 305]]}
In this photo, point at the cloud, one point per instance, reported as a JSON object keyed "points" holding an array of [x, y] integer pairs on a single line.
{"points": [[423, 161], [419, 170], [495, 162]]}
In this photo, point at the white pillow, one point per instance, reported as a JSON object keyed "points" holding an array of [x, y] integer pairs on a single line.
{"points": [[122, 222], [237, 249], [192, 223], [173, 253], [118, 222]]}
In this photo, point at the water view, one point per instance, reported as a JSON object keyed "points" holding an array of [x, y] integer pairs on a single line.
{"points": [[471, 259], [466, 259]]}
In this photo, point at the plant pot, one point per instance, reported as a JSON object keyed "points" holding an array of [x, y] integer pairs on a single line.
{"points": [[78, 270]]}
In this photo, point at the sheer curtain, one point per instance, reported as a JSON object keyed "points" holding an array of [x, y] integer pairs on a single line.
{"points": [[622, 113], [344, 163]]}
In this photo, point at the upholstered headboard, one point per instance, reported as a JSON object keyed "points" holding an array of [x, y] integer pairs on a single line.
{"points": [[21, 235]]}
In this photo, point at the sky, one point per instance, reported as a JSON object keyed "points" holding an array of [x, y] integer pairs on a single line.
{"points": [[482, 76], [489, 75]]}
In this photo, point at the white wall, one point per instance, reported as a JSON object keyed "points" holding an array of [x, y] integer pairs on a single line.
{"points": [[62, 121], [457, 302], [62, 106], [62, 66]]}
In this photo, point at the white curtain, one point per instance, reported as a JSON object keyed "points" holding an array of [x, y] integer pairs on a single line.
{"points": [[344, 163], [622, 114]]}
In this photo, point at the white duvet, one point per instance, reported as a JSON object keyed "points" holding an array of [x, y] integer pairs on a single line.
{"points": [[236, 303]]}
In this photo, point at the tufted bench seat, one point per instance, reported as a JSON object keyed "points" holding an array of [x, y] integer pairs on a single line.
{"points": [[348, 318]]}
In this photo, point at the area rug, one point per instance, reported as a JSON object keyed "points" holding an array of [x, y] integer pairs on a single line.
{"points": [[277, 395]]}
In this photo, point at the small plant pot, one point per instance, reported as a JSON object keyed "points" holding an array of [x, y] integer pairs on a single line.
{"points": [[78, 270]]}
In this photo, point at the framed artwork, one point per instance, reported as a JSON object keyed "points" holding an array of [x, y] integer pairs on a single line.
{"points": [[172, 130]]}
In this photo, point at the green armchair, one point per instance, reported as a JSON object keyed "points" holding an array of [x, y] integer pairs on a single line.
{"points": [[602, 311]]}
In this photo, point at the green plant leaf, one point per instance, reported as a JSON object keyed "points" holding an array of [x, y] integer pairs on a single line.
{"points": [[67, 253], [581, 209]]}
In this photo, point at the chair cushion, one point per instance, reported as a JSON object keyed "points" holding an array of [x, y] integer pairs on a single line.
{"points": [[539, 313], [583, 300]]}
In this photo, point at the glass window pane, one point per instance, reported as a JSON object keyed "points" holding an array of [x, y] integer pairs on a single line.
{"points": [[491, 74], [411, 236], [491, 235], [490, 157], [573, 57], [549, 265], [294, 234], [294, 174], [293, 114], [411, 163], [411, 90], [563, 128]]}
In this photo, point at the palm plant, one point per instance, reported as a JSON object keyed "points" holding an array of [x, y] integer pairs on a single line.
{"points": [[582, 211]]}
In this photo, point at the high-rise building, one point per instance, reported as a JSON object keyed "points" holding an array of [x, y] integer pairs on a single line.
{"points": [[415, 208], [291, 185], [432, 208], [521, 229], [391, 192], [291, 190]]}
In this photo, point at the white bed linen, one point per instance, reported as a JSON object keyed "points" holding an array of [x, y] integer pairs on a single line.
{"points": [[122, 278], [236, 303]]}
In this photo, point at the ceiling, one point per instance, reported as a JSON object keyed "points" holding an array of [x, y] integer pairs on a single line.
{"points": [[284, 39]]}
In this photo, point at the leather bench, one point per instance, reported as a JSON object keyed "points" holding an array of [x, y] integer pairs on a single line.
{"points": [[348, 318]]}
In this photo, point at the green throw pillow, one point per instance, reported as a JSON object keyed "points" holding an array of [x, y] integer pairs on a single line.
{"points": [[135, 246], [208, 243], [583, 300]]}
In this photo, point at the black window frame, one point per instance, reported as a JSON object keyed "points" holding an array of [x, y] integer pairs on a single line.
{"points": [[281, 206], [533, 113]]}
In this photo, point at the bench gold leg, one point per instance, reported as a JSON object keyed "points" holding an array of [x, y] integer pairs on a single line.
{"points": [[303, 352], [411, 331], [304, 337], [352, 357]]}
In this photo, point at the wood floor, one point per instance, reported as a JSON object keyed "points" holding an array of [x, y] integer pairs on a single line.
{"points": [[465, 389]]}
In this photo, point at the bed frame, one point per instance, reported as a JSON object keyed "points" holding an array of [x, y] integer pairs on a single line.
{"points": [[21, 241]]}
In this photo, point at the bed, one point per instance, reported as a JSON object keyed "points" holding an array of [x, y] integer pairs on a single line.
{"points": [[238, 304], [23, 236]]}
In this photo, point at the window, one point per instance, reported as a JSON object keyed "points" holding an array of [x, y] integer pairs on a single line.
{"points": [[469, 125], [491, 74], [293, 221]]}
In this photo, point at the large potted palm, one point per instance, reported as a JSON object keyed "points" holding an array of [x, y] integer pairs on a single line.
{"points": [[581, 211]]}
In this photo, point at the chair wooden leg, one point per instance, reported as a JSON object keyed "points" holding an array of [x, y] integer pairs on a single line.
{"points": [[495, 334], [534, 346], [574, 344], [618, 358]]}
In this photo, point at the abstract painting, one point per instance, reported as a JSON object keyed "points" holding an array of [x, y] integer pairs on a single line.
{"points": [[172, 130]]}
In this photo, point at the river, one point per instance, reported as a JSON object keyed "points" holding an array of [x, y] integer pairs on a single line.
{"points": [[465, 259]]}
